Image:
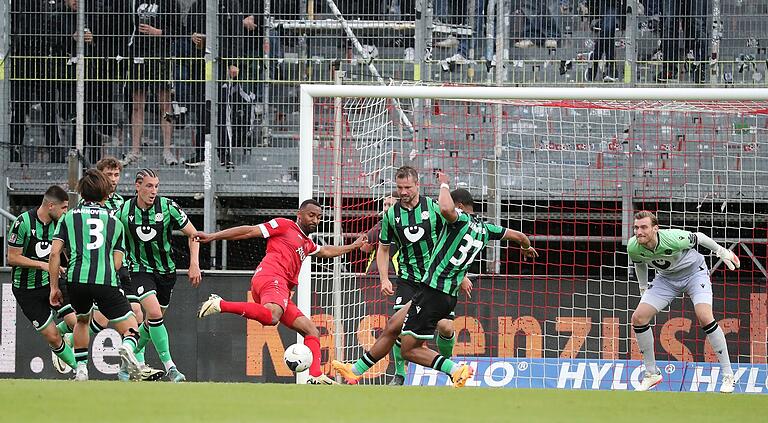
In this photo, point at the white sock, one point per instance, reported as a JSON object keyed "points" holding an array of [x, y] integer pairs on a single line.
{"points": [[716, 338], [168, 364], [644, 336]]}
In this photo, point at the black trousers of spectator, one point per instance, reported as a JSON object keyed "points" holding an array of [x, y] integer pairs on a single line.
{"points": [[692, 16]]}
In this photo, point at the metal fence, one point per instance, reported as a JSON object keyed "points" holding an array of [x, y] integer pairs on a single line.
{"points": [[145, 80]]}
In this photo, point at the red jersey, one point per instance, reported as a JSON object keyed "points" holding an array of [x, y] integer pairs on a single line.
{"points": [[287, 247]]}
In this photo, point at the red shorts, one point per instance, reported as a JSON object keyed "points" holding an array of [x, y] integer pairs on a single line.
{"points": [[270, 289]]}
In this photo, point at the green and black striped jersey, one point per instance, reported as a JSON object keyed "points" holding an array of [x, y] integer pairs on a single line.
{"points": [[148, 234], [456, 249], [415, 232], [113, 202], [34, 238], [91, 235]]}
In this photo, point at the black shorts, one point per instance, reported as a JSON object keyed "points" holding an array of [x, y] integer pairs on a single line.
{"points": [[110, 300], [429, 307], [36, 306], [151, 75], [144, 284], [404, 292]]}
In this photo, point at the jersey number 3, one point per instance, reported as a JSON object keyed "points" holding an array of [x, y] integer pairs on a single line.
{"points": [[96, 232], [468, 244]]}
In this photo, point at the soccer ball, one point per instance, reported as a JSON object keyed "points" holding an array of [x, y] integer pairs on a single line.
{"points": [[298, 357]]}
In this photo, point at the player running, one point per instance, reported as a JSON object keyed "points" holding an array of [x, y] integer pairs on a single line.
{"points": [[94, 240], [679, 268], [288, 244], [464, 236], [149, 220], [29, 246]]}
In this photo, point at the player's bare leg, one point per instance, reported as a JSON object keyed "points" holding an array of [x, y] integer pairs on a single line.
{"points": [[641, 319], [716, 339], [352, 371], [415, 351]]}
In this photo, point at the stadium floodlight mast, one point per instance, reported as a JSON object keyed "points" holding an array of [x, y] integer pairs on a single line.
{"points": [[672, 99]]}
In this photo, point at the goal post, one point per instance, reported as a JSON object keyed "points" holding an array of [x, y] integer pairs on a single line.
{"points": [[568, 166]]}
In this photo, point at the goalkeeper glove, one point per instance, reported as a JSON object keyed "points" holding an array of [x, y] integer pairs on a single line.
{"points": [[727, 256]]}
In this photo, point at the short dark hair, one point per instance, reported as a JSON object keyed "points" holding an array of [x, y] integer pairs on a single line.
{"points": [[145, 173], [406, 172], [109, 162], [462, 196], [55, 194], [309, 202], [645, 213], [94, 186]]}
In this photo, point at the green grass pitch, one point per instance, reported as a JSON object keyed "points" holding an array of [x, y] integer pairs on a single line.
{"points": [[57, 400]]}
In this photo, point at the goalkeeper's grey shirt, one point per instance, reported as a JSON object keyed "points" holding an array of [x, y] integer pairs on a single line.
{"points": [[675, 254]]}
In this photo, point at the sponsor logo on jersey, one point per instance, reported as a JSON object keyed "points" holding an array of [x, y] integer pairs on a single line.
{"points": [[158, 217], [413, 233], [145, 233], [301, 253], [43, 249], [424, 215], [667, 251]]}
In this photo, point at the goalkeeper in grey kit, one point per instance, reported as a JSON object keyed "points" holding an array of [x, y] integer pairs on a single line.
{"points": [[679, 268]]}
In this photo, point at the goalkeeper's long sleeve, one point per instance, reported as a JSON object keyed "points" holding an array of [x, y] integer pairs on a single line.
{"points": [[641, 271], [707, 242]]}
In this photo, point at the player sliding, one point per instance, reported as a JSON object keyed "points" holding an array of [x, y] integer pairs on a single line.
{"points": [[679, 268], [463, 237], [288, 244]]}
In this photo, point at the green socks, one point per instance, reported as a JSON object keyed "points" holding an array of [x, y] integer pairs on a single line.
{"points": [[445, 345], [65, 353], [399, 362]]}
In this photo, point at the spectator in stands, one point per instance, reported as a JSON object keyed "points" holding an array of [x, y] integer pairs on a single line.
{"points": [[692, 16], [608, 14], [66, 42], [231, 31], [540, 26], [26, 84], [155, 24], [111, 27], [461, 16], [36, 48]]}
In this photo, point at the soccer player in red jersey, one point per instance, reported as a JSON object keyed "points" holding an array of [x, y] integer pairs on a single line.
{"points": [[288, 244]]}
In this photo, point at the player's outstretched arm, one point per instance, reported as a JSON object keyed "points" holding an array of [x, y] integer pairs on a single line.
{"points": [[232, 234], [522, 240], [731, 260], [330, 251], [447, 206], [194, 254]]}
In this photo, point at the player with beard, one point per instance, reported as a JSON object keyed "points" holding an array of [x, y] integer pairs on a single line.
{"points": [[288, 244]]}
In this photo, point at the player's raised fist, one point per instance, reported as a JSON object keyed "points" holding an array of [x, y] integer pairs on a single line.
{"points": [[442, 177]]}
